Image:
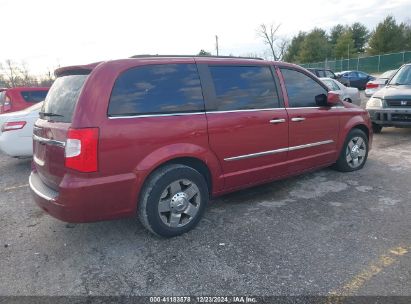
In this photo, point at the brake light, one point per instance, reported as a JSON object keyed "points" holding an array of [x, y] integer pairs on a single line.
{"points": [[81, 149], [13, 125], [371, 85]]}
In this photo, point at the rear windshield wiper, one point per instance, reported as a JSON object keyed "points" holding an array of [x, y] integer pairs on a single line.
{"points": [[50, 114]]}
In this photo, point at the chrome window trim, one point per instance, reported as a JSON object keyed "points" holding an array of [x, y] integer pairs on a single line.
{"points": [[244, 110], [192, 113], [214, 112], [299, 108], [155, 115], [253, 155], [49, 141]]}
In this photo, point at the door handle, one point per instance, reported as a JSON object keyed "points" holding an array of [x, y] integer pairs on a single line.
{"points": [[298, 119], [277, 120]]}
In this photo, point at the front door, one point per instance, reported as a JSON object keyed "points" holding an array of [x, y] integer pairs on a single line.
{"points": [[247, 122], [313, 129]]}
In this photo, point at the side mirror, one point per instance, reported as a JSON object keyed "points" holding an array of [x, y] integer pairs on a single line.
{"points": [[333, 99], [321, 100], [385, 81]]}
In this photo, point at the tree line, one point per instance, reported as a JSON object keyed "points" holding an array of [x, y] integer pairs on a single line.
{"points": [[344, 41], [341, 41], [13, 74]]}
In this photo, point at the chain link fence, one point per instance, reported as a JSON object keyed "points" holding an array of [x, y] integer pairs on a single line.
{"points": [[371, 64]]}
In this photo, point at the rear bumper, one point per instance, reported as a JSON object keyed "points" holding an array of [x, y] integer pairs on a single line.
{"points": [[86, 200], [397, 117]]}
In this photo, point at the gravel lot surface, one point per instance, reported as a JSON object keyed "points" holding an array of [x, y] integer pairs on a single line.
{"points": [[320, 233]]}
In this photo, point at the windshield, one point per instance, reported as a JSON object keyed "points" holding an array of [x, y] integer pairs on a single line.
{"points": [[403, 76], [62, 98], [388, 74]]}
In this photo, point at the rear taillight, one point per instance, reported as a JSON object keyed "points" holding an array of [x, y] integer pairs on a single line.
{"points": [[81, 149], [371, 85], [13, 125]]}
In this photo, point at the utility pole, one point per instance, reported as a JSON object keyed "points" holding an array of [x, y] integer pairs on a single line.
{"points": [[348, 54], [216, 43]]}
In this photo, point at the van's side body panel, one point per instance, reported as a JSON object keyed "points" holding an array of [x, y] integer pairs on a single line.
{"points": [[130, 148]]}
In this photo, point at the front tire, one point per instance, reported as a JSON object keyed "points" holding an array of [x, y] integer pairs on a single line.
{"points": [[354, 152], [173, 200]]}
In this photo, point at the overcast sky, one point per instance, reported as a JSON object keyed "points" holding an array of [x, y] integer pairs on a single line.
{"points": [[47, 33]]}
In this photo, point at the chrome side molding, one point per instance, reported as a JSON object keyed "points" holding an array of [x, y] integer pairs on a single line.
{"points": [[48, 141], [253, 155]]}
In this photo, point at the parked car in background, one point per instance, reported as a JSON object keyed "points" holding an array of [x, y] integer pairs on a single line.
{"points": [[357, 79], [373, 86], [391, 106], [351, 95], [16, 99], [115, 139], [16, 131], [322, 73]]}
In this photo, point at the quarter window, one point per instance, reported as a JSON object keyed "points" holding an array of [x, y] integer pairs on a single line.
{"points": [[34, 96], [301, 89], [331, 85], [244, 87], [157, 89]]}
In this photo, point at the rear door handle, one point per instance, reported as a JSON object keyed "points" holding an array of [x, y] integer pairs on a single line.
{"points": [[277, 120], [298, 119]]}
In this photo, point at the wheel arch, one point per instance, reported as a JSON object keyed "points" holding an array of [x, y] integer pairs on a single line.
{"points": [[356, 122], [194, 156]]}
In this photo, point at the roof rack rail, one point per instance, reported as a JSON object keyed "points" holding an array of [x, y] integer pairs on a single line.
{"points": [[199, 56]]}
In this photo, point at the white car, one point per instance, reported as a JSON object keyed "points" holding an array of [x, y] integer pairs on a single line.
{"points": [[16, 131], [346, 93], [373, 86]]}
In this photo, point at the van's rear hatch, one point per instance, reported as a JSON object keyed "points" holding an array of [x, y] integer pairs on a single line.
{"points": [[50, 130]]}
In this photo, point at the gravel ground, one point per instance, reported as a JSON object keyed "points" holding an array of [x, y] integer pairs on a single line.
{"points": [[319, 233]]}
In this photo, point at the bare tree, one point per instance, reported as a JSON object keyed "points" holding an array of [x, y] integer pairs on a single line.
{"points": [[282, 47], [26, 78], [47, 79], [270, 37], [11, 73]]}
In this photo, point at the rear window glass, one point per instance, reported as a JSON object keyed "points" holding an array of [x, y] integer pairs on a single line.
{"points": [[62, 98], [157, 89], [244, 87], [34, 96]]}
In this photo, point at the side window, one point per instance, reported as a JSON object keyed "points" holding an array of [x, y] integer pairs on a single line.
{"points": [[244, 87], [34, 96], [331, 85], [361, 75], [321, 73], [329, 74], [301, 89], [157, 89], [353, 74]]}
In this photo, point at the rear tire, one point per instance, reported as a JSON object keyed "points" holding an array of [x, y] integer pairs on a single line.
{"points": [[173, 200], [354, 152], [376, 128]]}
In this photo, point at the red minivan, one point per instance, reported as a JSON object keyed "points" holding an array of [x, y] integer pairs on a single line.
{"points": [[16, 99], [158, 136]]}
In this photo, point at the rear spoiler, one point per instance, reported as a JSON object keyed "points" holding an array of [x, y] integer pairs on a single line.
{"points": [[76, 69]]}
